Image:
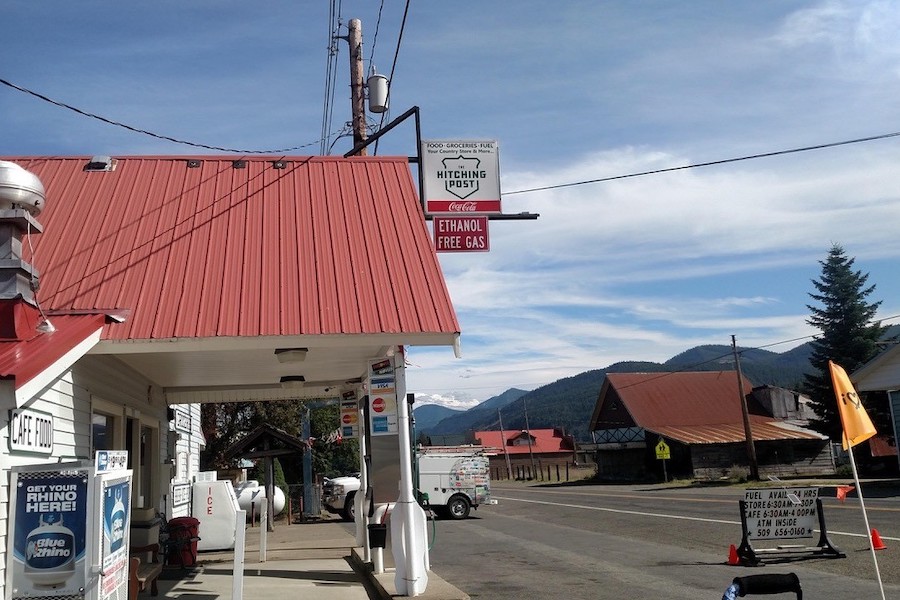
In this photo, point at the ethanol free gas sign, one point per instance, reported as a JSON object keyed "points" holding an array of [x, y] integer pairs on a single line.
{"points": [[461, 177]]}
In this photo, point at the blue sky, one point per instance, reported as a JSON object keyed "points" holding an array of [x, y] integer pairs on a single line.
{"points": [[634, 269]]}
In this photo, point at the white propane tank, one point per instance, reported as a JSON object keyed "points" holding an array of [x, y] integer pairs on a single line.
{"points": [[250, 492]]}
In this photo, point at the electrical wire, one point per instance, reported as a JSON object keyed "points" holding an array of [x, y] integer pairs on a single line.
{"points": [[708, 164], [150, 133], [330, 53], [334, 26], [689, 368], [393, 67], [375, 37]]}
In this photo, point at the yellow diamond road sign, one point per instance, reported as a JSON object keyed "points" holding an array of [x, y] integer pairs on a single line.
{"points": [[662, 451]]}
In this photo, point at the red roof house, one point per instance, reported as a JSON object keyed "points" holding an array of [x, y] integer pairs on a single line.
{"points": [[547, 447]]}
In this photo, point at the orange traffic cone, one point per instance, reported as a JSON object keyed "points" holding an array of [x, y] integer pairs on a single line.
{"points": [[732, 556], [877, 544]]}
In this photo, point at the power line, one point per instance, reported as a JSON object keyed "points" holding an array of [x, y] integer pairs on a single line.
{"points": [[393, 67], [150, 133], [684, 369], [375, 37], [334, 24], [707, 164]]}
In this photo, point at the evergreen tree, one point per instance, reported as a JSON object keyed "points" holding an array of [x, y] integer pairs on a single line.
{"points": [[848, 335]]}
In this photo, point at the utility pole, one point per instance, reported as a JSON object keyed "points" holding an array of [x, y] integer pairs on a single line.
{"points": [[505, 449], [748, 433], [528, 428], [357, 84]]}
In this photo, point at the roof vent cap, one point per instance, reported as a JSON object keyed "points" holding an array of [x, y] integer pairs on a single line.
{"points": [[20, 188], [101, 163]]}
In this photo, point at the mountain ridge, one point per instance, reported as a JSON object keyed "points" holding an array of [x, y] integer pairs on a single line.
{"points": [[569, 402]]}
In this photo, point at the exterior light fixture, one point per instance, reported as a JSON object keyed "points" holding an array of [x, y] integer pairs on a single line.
{"points": [[293, 381], [291, 355]]}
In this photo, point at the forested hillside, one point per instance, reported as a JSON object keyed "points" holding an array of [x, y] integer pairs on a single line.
{"points": [[569, 402]]}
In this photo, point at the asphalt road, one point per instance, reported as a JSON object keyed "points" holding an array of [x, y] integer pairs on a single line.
{"points": [[615, 542]]}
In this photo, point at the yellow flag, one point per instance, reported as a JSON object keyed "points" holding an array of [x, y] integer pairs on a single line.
{"points": [[857, 425]]}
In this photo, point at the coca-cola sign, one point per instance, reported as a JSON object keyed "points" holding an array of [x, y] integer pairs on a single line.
{"points": [[460, 177], [449, 206]]}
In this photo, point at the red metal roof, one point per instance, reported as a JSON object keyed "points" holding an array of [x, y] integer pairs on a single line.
{"points": [[545, 441], [690, 407], [323, 246], [26, 353]]}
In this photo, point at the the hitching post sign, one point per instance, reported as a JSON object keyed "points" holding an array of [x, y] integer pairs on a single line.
{"points": [[780, 513], [47, 544], [383, 414], [461, 177]]}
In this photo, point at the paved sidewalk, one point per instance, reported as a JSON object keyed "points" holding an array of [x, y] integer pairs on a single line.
{"points": [[307, 560]]}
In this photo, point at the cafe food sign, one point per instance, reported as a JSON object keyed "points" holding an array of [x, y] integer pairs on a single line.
{"points": [[30, 431], [461, 177]]}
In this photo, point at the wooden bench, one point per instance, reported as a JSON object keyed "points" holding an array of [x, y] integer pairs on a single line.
{"points": [[140, 573]]}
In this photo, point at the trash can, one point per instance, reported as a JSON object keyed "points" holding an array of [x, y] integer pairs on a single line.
{"points": [[377, 535], [181, 546]]}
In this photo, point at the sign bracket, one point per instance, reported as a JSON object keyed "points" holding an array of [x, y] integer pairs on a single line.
{"points": [[417, 160]]}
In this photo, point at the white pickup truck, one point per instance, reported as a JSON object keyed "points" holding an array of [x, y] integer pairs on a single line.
{"points": [[452, 480], [338, 495]]}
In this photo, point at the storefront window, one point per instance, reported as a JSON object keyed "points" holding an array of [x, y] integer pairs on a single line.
{"points": [[101, 432]]}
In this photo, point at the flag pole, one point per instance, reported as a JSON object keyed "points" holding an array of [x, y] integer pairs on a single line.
{"points": [[857, 427], [862, 505]]}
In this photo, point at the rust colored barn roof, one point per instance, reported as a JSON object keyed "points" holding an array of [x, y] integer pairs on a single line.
{"points": [[690, 407]]}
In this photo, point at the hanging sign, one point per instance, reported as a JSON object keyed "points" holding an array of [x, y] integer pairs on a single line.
{"points": [[461, 176], [182, 419], [461, 234]]}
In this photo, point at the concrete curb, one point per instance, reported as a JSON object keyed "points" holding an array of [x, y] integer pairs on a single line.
{"points": [[383, 583]]}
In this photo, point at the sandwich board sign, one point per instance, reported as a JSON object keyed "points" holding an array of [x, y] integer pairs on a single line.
{"points": [[461, 177], [785, 513]]}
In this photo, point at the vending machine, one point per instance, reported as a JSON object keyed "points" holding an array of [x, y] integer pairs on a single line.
{"points": [[69, 530]]}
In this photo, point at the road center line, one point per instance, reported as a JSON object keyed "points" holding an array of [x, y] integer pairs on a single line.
{"points": [[620, 511], [660, 516]]}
